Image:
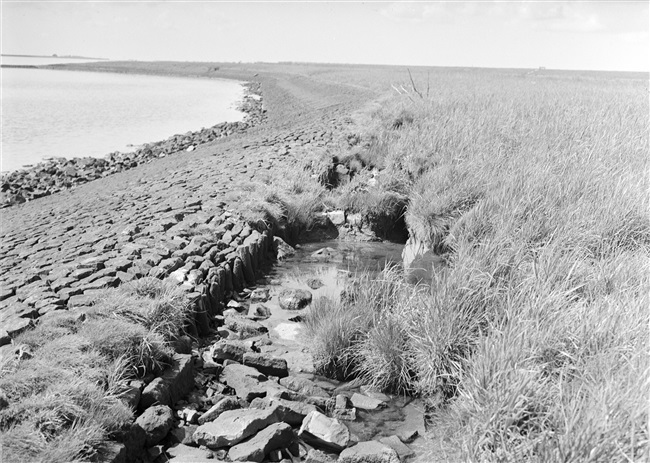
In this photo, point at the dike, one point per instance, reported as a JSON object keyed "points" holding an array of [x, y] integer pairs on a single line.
{"points": [[180, 217]]}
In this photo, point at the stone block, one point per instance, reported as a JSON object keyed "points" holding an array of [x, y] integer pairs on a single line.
{"points": [[274, 436], [232, 427], [175, 382]]}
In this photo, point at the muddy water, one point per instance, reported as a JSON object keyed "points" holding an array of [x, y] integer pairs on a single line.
{"points": [[323, 268], [333, 264]]}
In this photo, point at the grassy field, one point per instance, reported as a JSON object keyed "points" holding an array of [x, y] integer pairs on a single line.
{"points": [[533, 344]]}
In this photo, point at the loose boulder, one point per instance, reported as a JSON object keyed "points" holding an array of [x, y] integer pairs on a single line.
{"points": [[156, 422], [294, 299]]}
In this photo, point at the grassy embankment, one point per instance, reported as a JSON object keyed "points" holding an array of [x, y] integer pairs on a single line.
{"points": [[65, 390], [533, 344]]}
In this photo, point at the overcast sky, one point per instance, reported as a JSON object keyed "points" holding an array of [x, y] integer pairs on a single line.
{"points": [[596, 35]]}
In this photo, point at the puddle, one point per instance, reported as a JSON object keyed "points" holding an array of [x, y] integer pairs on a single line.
{"points": [[323, 269]]}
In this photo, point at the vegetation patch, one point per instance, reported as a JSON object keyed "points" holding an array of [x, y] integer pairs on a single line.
{"points": [[65, 389]]}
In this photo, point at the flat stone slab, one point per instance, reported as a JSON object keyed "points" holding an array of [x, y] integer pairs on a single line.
{"points": [[182, 453], [232, 427], [267, 364], [322, 431], [303, 386], [246, 381], [275, 436], [288, 411], [364, 402]]}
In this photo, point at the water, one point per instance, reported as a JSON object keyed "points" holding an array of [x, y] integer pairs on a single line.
{"points": [[40, 60], [51, 113], [334, 263]]}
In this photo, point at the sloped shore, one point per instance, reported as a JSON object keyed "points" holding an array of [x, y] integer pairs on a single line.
{"points": [[60, 173]]}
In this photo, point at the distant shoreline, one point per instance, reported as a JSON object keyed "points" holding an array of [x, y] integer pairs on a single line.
{"points": [[53, 57], [20, 66]]}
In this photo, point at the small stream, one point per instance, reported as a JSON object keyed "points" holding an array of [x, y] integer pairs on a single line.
{"points": [[331, 264]]}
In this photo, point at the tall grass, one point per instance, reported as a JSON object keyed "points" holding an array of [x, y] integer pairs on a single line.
{"points": [[65, 399], [532, 345]]}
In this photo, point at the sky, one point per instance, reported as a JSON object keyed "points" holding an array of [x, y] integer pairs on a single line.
{"points": [[587, 35]]}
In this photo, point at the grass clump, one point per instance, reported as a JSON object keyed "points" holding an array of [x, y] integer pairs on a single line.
{"points": [[65, 395]]}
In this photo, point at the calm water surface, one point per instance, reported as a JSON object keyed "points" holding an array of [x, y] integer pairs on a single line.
{"points": [[51, 113]]}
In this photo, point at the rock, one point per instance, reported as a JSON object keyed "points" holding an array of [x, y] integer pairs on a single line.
{"points": [[294, 299], [176, 382], [224, 405], [229, 350], [259, 312], [282, 249], [244, 327], [337, 217], [233, 304], [374, 394], [260, 295], [394, 442], [303, 386], [369, 452], [156, 422], [314, 283], [277, 435], [364, 402], [287, 411], [231, 427], [321, 431], [326, 255], [244, 380], [266, 364], [345, 414], [182, 453]]}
